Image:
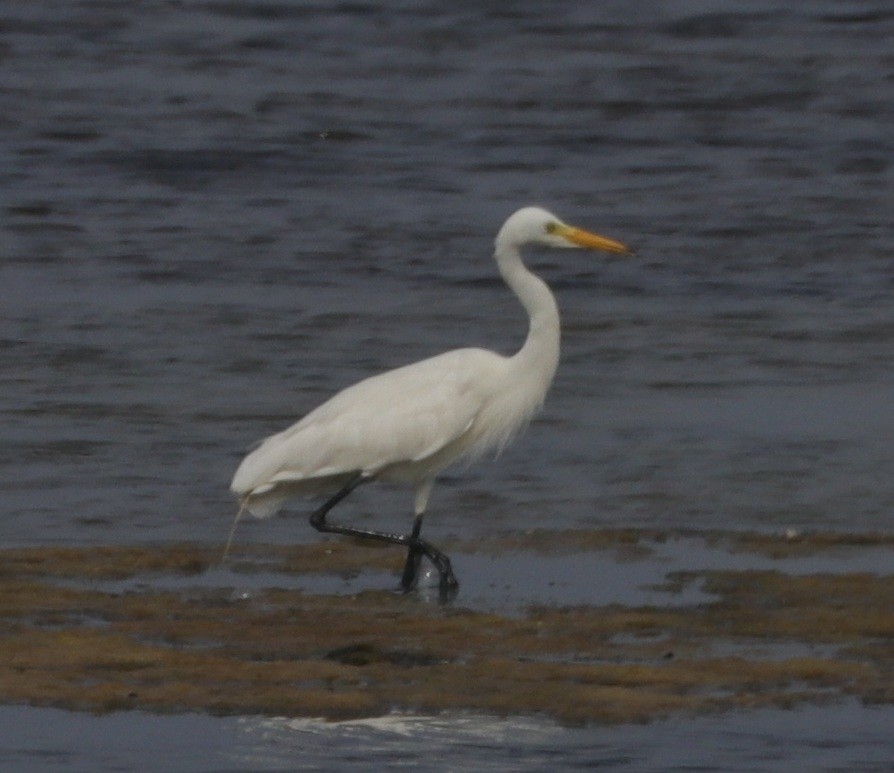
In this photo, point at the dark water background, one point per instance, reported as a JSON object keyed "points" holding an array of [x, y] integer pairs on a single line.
{"points": [[216, 213]]}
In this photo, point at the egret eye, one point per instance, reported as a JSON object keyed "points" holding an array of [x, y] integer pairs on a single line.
{"points": [[551, 227]]}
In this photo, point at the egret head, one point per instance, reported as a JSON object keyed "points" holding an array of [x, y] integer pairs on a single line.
{"points": [[533, 225]]}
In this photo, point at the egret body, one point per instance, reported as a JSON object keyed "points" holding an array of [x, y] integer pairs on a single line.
{"points": [[410, 423]]}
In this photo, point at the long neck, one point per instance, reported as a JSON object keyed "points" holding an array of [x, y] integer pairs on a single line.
{"points": [[539, 356]]}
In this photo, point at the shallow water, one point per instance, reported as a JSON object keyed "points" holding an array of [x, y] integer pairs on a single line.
{"points": [[762, 740], [217, 213]]}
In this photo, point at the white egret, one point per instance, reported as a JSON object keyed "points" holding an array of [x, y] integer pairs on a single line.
{"points": [[410, 423]]}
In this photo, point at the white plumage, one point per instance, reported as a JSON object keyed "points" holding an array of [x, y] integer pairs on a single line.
{"points": [[388, 426], [409, 423]]}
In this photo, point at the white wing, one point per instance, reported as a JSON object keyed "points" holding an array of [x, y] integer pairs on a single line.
{"points": [[402, 416]]}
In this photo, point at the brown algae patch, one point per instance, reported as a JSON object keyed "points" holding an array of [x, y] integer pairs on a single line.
{"points": [[70, 639]]}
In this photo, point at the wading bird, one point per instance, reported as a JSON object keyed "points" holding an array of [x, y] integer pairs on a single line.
{"points": [[410, 423]]}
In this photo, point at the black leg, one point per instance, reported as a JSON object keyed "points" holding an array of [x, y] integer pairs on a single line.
{"points": [[414, 559], [416, 546]]}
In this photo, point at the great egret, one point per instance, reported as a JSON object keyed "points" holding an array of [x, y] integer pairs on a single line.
{"points": [[410, 423]]}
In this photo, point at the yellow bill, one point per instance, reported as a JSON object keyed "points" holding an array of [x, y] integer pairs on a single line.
{"points": [[591, 241]]}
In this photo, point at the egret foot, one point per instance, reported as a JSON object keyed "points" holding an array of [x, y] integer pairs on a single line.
{"points": [[447, 583], [416, 546], [448, 586]]}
